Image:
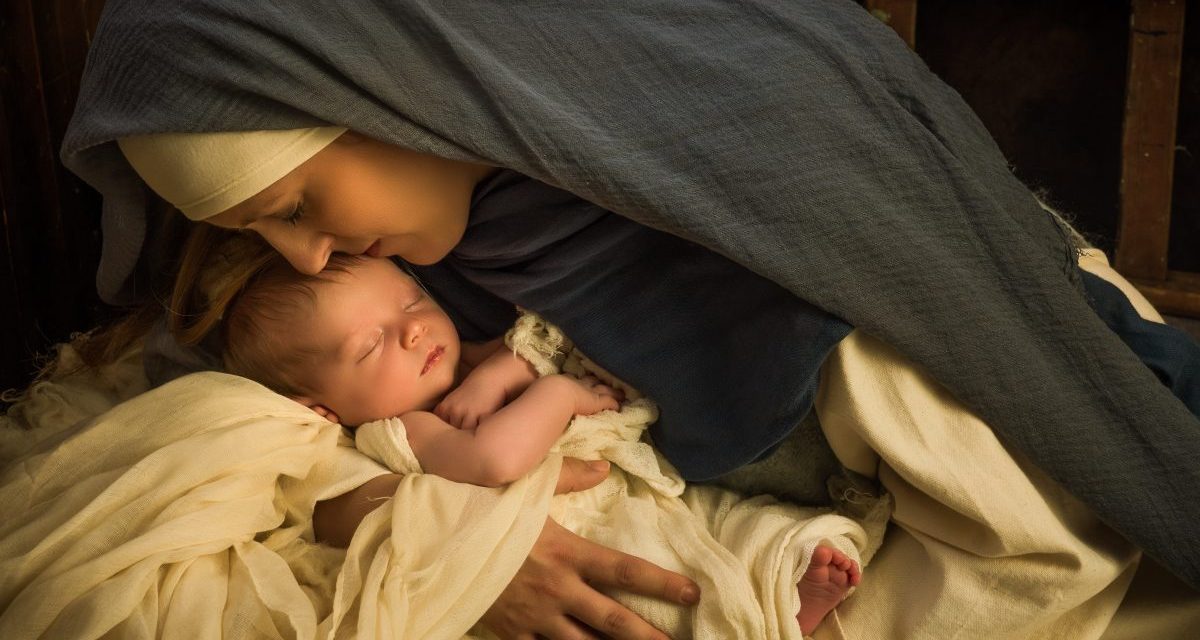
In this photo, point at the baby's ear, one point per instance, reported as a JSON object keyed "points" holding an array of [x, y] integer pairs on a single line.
{"points": [[322, 410]]}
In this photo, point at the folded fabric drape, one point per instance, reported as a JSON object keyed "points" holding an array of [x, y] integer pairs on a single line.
{"points": [[203, 174], [799, 138], [186, 512]]}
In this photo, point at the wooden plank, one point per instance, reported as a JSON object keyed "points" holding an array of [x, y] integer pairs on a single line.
{"points": [[15, 320], [1148, 141], [900, 15], [49, 236], [24, 159], [1178, 294], [64, 28]]}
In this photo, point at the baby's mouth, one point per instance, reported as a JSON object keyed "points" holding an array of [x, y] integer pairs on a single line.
{"points": [[435, 355]]}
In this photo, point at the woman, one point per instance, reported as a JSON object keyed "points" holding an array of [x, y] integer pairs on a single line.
{"points": [[800, 140]]}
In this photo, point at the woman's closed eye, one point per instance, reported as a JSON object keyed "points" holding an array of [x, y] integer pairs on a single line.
{"points": [[294, 217]]}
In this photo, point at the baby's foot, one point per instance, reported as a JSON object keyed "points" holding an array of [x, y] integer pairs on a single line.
{"points": [[829, 576]]}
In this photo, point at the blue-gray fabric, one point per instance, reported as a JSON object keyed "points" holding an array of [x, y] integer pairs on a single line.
{"points": [[798, 138], [731, 358], [1170, 353]]}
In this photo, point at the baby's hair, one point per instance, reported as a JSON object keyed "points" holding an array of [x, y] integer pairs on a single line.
{"points": [[236, 284], [274, 296]]}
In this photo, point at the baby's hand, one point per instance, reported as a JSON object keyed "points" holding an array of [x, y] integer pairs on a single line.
{"points": [[467, 405], [595, 396]]}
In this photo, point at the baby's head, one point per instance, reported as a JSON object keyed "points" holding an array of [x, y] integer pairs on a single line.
{"points": [[356, 342]]}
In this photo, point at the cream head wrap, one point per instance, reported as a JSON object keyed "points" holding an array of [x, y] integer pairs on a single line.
{"points": [[203, 174]]}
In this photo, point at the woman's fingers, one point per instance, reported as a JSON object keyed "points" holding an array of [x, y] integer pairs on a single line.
{"points": [[537, 598], [565, 628], [610, 618], [596, 565], [582, 564], [577, 475], [610, 568], [551, 596]]}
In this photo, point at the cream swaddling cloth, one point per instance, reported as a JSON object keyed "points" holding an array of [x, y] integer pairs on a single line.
{"points": [[745, 553]]}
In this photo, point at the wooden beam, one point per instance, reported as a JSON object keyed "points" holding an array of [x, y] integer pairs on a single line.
{"points": [[900, 15], [49, 230], [1148, 141], [25, 159]]}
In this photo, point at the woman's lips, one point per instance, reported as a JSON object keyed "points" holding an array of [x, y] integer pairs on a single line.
{"points": [[373, 250], [435, 354]]}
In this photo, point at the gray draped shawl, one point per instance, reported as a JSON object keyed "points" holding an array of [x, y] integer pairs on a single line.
{"points": [[798, 138]]}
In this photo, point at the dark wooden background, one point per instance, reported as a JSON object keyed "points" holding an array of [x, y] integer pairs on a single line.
{"points": [[51, 239], [1048, 78]]}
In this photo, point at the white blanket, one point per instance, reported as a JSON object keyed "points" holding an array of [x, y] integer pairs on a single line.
{"points": [[185, 513], [746, 554]]}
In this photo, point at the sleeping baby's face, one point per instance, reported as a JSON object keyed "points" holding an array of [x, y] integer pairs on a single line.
{"points": [[384, 347]]}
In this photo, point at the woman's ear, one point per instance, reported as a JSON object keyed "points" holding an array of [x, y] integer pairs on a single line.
{"points": [[320, 409]]}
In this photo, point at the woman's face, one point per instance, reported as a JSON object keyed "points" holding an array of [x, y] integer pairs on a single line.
{"points": [[359, 195]]}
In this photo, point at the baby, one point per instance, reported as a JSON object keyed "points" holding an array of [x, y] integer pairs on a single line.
{"points": [[363, 341]]}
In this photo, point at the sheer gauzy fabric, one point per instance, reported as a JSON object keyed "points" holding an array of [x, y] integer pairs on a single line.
{"points": [[186, 512], [797, 138], [747, 553]]}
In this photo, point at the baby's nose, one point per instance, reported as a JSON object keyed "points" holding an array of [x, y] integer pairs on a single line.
{"points": [[413, 332]]}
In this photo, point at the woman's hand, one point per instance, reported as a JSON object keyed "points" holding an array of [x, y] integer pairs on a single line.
{"points": [[554, 593]]}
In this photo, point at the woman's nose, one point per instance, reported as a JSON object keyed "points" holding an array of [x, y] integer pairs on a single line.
{"points": [[413, 331], [308, 252]]}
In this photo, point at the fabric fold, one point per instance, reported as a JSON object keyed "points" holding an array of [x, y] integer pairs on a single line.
{"points": [[186, 512], [800, 139], [746, 553]]}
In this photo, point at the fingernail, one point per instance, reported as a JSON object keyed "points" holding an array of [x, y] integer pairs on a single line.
{"points": [[690, 595], [598, 465]]}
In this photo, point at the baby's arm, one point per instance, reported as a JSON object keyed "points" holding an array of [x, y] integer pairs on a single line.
{"points": [[510, 442], [336, 519], [497, 379]]}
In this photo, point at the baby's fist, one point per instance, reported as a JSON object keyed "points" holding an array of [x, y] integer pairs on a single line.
{"points": [[595, 396], [467, 405]]}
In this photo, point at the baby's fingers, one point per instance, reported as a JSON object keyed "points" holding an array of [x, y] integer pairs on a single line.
{"points": [[596, 385], [611, 392], [451, 415], [607, 402]]}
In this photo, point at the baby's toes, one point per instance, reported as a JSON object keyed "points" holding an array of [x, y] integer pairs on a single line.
{"points": [[822, 556]]}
